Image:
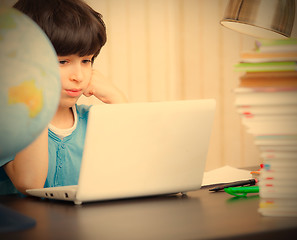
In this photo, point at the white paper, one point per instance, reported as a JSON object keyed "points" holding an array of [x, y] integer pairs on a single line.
{"points": [[224, 175]]}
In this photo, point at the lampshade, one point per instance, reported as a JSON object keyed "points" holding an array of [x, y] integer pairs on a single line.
{"points": [[263, 19]]}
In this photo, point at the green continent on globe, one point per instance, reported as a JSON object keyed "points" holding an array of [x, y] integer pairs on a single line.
{"points": [[6, 21], [28, 94]]}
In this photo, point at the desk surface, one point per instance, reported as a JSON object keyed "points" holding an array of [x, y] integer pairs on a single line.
{"points": [[199, 215]]}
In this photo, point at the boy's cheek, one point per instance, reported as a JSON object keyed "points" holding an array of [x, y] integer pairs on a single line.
{"points": [[87, 88]]}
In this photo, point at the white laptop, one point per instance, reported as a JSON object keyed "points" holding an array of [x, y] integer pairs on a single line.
{"points": [[141, 149]]}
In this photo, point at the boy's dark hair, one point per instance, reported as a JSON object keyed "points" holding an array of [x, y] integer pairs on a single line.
{"points": [[72, 26]]}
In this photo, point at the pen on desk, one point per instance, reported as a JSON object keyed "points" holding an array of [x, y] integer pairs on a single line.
{"points": [[241, 191], [249, 182]]}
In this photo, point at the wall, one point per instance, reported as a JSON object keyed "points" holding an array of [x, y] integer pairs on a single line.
{"points": [[177, 49]]}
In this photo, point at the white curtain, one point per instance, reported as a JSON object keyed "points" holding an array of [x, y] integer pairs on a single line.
{"points": [[176, 49]]}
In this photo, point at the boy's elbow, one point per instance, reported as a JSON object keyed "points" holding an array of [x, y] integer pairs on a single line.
{"points": [[22, 186]]}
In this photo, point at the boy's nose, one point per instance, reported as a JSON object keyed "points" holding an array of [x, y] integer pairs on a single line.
{"points": [[76, 74]]}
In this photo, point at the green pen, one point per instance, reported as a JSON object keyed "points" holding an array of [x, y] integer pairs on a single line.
{"points": [[241, 191]]}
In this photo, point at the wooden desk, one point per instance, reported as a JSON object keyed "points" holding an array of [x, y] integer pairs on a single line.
{"points": [[200, 215]]}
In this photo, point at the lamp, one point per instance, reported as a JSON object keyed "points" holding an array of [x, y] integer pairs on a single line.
{"points": [[264, 19]]}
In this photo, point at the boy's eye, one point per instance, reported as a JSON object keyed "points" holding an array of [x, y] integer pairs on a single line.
{"points": [[62, 62], [87, 61]]}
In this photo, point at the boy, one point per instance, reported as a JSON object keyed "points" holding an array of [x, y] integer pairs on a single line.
{"points": [[77, 33]]}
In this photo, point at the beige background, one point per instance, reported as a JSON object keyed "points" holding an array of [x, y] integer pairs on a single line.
{"points": [[176, 49]]}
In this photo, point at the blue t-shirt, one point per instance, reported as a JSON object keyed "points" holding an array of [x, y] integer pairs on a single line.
{"points": [[64, 156]]}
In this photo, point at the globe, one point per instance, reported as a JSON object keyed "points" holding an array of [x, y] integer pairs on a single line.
{"points": [[30, 81]]}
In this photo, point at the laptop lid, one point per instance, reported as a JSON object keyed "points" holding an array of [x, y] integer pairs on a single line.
{"points": [[143, 149]]}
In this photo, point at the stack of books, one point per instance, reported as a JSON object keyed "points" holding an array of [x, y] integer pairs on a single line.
{"points": [[266, 100]]}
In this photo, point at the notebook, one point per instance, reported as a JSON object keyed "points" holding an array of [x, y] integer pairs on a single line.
{"points": [[141, 149]]}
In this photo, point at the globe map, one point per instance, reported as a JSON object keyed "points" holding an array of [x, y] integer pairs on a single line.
{"points": [[30, 81]]}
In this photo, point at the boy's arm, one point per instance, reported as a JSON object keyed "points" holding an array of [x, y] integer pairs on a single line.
{"points": [[104, 90], [29, 168]]}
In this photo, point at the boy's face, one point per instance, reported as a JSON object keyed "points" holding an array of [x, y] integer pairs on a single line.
{"points": [[75, 72]]}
